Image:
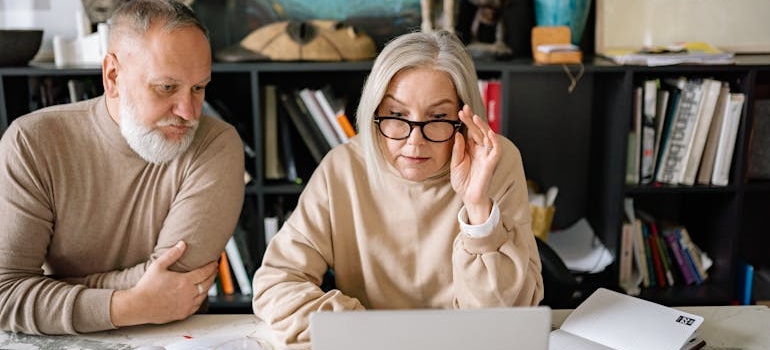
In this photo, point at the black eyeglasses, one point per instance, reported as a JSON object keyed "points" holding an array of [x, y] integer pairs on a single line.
{"points": [[433, 130]]}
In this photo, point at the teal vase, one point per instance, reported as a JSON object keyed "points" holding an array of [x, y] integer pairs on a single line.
{"points": [[571, 13]]}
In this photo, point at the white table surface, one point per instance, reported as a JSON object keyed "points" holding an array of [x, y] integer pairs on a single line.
{"points": [[724, 327]]}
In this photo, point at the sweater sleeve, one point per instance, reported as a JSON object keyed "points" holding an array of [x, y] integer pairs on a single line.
{"points": [[203, 214], [287, 285], [27, 296], [210, 198], [502, 268]]}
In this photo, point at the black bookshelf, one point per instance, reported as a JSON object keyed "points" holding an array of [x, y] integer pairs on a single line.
{"points": [[574, 140]]}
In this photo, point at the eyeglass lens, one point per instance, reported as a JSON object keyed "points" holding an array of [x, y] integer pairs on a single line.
{"points": [[435, 130]]}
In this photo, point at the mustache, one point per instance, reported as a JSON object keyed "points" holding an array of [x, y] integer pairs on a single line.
{"points": [[176, 121]]}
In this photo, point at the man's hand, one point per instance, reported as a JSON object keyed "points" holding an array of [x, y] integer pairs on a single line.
{"points": [[162, 295]]}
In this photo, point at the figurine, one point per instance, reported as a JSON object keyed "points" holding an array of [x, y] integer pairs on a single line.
{"points": [[99, 11], [448, 13], [489, 16]]}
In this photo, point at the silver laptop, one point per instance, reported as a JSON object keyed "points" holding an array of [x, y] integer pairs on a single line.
{"points": [[488, 329]]}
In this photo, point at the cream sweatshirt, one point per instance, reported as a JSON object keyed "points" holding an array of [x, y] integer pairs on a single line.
{"points": [[397, 247]]}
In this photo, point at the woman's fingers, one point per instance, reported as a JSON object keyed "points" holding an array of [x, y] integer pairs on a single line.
{"points": [[479, 134], [474, 136]]}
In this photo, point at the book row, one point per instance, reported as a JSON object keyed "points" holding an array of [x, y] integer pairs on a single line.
{"points": [[243, 251], [654, 253], [317, 115], [683, 132], [233, 275], [48, 90]]}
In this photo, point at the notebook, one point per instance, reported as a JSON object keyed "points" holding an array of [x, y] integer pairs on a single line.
{"points": [[427, 329], [608, 320]]}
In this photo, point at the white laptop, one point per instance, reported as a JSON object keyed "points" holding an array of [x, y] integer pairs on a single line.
{"points": [[427, 329]]}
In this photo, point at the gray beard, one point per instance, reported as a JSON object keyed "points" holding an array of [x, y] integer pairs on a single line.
{"points": [[151, 144]]}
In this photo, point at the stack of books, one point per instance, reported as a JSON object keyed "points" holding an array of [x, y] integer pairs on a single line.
{"points": [[695, 52], [319, 118], [654, 254]]}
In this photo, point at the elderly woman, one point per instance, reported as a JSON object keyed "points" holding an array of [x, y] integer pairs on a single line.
{"points": [[425, 208]]}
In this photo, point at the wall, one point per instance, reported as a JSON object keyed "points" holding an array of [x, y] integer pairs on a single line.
{"points": [[733, 25], [55, 17]]}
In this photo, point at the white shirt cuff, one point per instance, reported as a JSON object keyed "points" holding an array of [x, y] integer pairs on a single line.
{"points": [[481, 229]]}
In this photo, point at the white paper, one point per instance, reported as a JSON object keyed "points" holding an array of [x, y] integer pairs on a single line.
{"points": [[223, 342], [612, 320], [579, 248], [548, 48]]}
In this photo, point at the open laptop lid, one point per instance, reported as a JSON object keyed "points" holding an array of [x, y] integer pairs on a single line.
{"points": [[489, 329]]}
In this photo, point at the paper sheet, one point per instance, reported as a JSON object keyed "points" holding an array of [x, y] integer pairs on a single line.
{"points": [[579, 248]]}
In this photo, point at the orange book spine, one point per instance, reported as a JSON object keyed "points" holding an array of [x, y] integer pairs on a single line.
{"points": [[225, 276], [346, 126]]}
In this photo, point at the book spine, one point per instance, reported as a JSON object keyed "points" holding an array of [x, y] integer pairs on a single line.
{"points": [[238, 268], [640, 255], [745, 282], [691, 263], [274, 167], [661, 105], [213, 291], [647, 164], [632, 177], [669, 115], [225, 275], [493, 104], [648, 256], [688, 255], [342, 119], [319, 117], [723, 159], [631, 155], [680, 135], [311, 135], [287, 148], [657, 259], [75, 90], [676, 250], [711, 90], [330, 114], [758, 166], [626, 255], [712, 139], [695, 252], [246, 248], [665, 258], [271, 227]]}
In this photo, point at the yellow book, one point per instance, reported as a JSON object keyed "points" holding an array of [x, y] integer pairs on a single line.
{"points": [[680, 53]]}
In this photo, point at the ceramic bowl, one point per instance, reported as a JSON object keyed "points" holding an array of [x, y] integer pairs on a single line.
{"points": [[19, 46]]}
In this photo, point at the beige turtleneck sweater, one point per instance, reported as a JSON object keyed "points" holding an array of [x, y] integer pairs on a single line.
{"points": [[82, 215]]}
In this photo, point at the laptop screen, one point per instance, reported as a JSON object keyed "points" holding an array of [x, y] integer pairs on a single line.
{"points": [[424, 329]]}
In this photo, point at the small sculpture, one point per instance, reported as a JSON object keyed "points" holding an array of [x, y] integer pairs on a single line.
{"points": [[447, 21], [99, 11], [312, 40], [489, 15]]}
